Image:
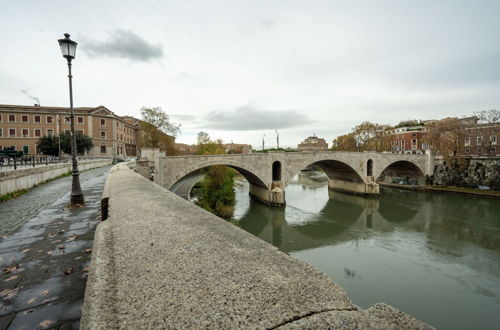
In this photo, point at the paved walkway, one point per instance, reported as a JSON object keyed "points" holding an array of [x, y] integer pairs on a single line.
{"points": [[45, 250]]}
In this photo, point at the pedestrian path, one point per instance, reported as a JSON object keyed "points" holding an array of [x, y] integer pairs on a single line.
{"points": [[45, 249]]}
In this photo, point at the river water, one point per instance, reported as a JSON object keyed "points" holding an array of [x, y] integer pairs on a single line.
{"points": [[434, 256]]}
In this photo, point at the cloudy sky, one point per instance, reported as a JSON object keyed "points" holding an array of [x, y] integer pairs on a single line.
{"points": [[240, 69]]}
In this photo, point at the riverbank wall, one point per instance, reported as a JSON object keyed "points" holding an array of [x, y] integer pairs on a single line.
{"points": [[16, 180], [467, 172], [159, 261]]}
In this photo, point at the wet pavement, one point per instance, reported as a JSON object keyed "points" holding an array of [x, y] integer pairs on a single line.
{"points": [[44, 261]]}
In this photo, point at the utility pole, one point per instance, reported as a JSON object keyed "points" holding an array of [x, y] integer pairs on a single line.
{"points": [[263, 136], [277, 140]]}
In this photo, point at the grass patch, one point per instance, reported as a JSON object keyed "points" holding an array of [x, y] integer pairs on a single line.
{"points": [[15, 194], [9, 196]]}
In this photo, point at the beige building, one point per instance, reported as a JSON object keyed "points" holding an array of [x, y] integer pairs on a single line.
{"points": [[313, 143], [112, 135]]}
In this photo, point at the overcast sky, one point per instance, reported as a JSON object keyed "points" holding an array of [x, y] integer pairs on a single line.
{"points": [[239, 69]]}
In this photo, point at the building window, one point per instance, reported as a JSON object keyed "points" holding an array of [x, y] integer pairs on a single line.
{"points": [[1, 134], [24, 118], [467, 150], [50, 132], [467, 140], [12, 118], [67, 120], [79, 120], [479, 140], [25, 132], [103, 149], [103, 122], [38, 132], [479, 149], [26, 149], [12, 132], [493, 149], [103, 134], [0, 121], [493, 139], [37, 119], [50, 119]]}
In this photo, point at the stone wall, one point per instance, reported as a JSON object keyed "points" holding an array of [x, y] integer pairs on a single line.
{"points": [[15, 180], [468, 172]]}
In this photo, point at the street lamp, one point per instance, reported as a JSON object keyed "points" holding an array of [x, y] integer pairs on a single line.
{"points": [[68, 49]]}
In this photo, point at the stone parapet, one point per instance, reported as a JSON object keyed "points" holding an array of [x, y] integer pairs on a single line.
{"points": [[160, 262]]}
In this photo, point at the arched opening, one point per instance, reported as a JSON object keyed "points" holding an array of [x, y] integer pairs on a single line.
{"points": [[369, 167], [277, 171], [402, 172], [339, 171]]}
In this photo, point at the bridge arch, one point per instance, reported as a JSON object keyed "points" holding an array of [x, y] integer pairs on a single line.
{"points": [[335, 169], [252, 175], [402, 169]]}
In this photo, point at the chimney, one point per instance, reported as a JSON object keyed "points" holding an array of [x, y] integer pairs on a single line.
{"points": [[36, 105]]}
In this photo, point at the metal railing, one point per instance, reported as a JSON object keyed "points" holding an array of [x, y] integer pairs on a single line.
{"points": [[30, 161]]}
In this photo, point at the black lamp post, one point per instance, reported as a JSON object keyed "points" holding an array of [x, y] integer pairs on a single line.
{"points": [[68, 49]]}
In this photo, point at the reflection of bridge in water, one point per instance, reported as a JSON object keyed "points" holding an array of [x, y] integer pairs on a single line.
{"points": [[345, 216]]}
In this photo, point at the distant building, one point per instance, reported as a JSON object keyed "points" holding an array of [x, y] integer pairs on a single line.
{"points": [[313, 143], [113, 136], [410, 139], [185, 149], [482, 140], [237, 148]]}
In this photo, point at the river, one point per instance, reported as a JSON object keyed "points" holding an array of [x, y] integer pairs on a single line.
{"points": [[434, 256]]}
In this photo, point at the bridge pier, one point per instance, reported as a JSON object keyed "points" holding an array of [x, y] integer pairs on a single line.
{"points": [[274, 197], [367, 188]]}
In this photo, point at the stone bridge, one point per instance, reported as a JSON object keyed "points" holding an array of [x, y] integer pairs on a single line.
{"points": [[269, 173]]}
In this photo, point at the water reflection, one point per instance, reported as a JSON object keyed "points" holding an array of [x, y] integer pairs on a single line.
{"points": [[435, 256]]}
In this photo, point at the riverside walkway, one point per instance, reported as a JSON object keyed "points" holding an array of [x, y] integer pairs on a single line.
{"points": [[45, 249]]}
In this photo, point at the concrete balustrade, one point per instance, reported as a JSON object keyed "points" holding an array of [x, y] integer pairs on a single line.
{"points": [[15, 180], [161, 262]]}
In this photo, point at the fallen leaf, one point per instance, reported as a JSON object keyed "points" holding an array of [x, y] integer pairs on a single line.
{"points": [[10, 269], [8, 293], [56, 241], [13, 277], [71, 238], [45, 292], [25, 250], [49, 252], [88, 250], [61, 232], [68, 271], [3, 236], [61, 247], [32, 300], [45, 323], [52, 234]]}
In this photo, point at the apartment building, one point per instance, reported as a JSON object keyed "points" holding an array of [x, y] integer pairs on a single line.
{"points": [[482, 140], [408, 139], [113, 136]]}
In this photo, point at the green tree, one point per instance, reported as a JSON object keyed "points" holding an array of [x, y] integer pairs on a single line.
{"points": [[48, 145], [83, 143], [216, 193]]}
